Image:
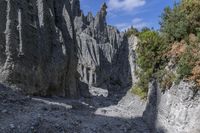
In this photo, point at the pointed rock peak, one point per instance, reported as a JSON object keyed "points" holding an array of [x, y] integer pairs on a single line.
{"points": [[89, 16], [103, 11], [75, 5], [104, 7], [100, 19]]}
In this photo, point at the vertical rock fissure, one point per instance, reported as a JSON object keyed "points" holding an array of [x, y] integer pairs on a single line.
{"points": [[19, 27]]}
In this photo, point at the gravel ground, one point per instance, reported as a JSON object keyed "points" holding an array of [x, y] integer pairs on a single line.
{"points": [[110, 113]]}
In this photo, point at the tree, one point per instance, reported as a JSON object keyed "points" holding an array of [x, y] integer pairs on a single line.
{"points": [[144, 29], [191, 8], [174, 24]]}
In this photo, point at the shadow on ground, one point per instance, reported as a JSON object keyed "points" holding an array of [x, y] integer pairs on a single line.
{"points": [[21, 114]]}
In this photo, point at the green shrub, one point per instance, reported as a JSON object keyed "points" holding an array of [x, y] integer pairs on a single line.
{"points": [[149, 56], [177, 24], [139, 92], [183, 19], [174, 24], [144, 29], [185, 65], [132, 31], [144, 80], [191, 10], [198, 33]]}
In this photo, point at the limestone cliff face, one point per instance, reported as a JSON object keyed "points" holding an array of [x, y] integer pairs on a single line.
{"points": [[174, 111], [38, 46], [102, 51], [47, 45], [133, 41]]}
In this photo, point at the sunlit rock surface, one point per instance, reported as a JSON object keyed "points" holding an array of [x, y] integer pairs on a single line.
{"points": [[103, 52], [173, 111]]}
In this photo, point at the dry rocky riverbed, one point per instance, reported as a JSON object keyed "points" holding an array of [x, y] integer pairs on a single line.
{"points": [[117, 113]]}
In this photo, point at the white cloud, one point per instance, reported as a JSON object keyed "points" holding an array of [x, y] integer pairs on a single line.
{"points": [[136, 23], [126, 5], [136, 20], [121, 25]]}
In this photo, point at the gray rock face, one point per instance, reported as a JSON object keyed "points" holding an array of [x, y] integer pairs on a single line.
{"points": [[133, 41], [38, 46], [75, 7], [102, 51], [46, 45], [175, 111]]}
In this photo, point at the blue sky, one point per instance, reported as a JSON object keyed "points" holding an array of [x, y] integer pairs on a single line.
{"points": [[124, 13]]}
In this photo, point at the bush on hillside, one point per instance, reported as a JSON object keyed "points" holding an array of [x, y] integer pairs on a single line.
{"points": [[174, 24], [191, 10], [132, 31], [139, 92], [177, 42], [149, 56]]}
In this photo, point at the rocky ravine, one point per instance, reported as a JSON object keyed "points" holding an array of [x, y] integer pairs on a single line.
{"points": [[50, 48]]}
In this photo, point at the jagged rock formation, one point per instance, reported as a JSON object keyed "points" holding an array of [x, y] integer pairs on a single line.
{"points": [[174, 111], [38, 46], [102, 51], [41, 41]]}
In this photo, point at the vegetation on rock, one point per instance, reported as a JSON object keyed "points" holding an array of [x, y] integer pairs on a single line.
{"points": [[149, 56], [140, 92], [173, 53], [132, 31]]}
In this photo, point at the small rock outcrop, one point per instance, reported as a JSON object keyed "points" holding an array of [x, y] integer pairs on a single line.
{"points": [[38, 46]]}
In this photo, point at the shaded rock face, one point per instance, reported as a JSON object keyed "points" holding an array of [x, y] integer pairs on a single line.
{"points": [[175, 111], [38, 46], [47, 45], [103, 52]]}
